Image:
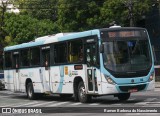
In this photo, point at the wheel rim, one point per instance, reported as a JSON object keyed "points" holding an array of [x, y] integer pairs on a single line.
{"points": [[29, 92], [82, 92]]}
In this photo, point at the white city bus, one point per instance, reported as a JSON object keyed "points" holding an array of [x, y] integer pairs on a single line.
{"points": [[109, 61]]}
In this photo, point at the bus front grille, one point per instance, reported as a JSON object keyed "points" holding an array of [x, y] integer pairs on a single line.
{"points": [[134, 87]]}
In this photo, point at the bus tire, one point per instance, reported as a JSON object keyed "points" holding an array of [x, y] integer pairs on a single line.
{"points": [[123, 96], [82, 96], [30, 92]]}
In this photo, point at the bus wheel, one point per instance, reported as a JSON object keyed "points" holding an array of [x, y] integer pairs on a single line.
{"points": [[30, 92], [123, 96], [82, 96]]}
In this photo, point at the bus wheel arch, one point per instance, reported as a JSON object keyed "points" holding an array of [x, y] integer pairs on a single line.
{"points": [[28, 80], [80, 93], [30, 90], [76, 82]]}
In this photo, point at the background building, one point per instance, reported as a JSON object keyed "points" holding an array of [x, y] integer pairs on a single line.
{"points": [[10, 7]]}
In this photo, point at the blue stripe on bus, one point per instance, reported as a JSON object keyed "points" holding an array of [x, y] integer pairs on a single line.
{"points": [[59, 90], [9, 76], [42, 42], [24, 45]]}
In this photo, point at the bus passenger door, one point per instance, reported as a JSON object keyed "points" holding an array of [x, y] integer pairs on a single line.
{"points": [[46, 68], [91, 60], [16, 79]]}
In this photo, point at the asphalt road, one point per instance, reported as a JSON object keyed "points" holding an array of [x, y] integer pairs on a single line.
{"points": [[98, 106]]}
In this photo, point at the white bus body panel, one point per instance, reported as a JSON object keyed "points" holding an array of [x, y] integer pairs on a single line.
{"points": [[8, 77], [33, 74], [58, 79]]}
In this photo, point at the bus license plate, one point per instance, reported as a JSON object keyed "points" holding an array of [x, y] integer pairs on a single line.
{"points": [[132, 90]]}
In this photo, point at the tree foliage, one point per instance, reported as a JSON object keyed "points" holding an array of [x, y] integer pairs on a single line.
{"points": [[3, 8], [22, 28], [43, 17], [122, 11], [40, 9], [78, 15]]}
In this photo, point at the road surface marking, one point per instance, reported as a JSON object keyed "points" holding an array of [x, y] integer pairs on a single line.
{"points": [[57, 104], [42, 104], [116, 104], [132, 99], [75, 104], [21, 105], [141, 103], [150, 99], [94, 104]]}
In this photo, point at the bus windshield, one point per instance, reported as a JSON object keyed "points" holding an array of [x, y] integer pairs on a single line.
{"points": [[129, 55]]}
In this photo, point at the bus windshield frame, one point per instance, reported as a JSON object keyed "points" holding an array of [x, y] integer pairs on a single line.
{"points": [[126, 52]]}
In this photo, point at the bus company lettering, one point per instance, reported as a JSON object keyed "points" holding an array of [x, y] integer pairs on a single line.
{"points": [[72, 73], [24, 75], [30, 74]]}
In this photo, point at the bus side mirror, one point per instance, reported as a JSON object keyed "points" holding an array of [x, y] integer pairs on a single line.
{"points": [[101, 48]]}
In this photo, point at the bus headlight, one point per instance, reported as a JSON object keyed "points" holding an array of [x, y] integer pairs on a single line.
{"points": [[109, 80], [151, 77]]}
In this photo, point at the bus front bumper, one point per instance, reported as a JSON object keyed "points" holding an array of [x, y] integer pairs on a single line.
{"points": [[127, 88]]}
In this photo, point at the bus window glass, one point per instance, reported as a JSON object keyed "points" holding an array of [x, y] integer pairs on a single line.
{"points": [[129, 55], [35, 56], [1, 60], [15, 57], [60, 53], [8, 60], [75, 51], [45, 57], [25, 57]]}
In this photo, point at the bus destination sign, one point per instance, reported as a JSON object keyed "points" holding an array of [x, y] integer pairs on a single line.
{"points": [[130, 33]]}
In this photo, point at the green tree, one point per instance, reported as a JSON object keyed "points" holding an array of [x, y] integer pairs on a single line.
{"points": [[125, 12], [3, 8], [40, 9], [78, 15], [22, 28]]}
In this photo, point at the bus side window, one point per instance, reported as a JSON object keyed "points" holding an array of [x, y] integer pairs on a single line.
{"points": [[91, 55], [35, 56], [25, 57], [60, 53], [8, 61], [45, 59], [75, 51]]}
